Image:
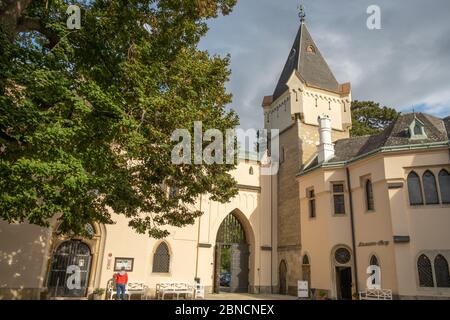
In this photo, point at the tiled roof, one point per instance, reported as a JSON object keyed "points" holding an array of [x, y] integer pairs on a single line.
{"points": [[396, 134], [311, 66]]}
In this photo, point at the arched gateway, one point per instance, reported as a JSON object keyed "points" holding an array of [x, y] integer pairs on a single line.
{"points": [[231, 271], [71, 259]]}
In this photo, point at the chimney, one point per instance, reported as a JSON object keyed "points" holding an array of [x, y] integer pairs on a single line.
{"points": [[326, 147]]}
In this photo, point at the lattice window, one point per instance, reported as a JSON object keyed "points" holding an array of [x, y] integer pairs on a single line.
{"points": [[429, 188], [89, 229], [369, 196], [342, 256], [161, 259], [414, 189], [374, 261], [444, 184], [441, 271], [425, 272]]}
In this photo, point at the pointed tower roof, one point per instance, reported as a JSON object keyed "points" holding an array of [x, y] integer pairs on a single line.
{"points": [[306, 59]]}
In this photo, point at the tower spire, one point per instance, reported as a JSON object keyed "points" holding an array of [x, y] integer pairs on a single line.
{"points": [[301, 13]]}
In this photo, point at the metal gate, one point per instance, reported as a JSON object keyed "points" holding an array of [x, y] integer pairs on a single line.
{"points": [[69, 270], [232, 246]]}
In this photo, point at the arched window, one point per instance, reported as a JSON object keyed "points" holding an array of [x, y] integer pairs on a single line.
{"points": [[250, 171], [161, 259], [429, 188], [374, 261], [306, 269], [305, 261], [414, 189], [441, 272], [89, 229], [369, 196], [444, 184], [425, 271]]}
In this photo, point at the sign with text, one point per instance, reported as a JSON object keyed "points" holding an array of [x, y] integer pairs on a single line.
{"points": [[126, 263], [302, 288]]}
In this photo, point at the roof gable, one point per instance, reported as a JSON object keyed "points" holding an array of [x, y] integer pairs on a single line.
{"points": [[306, 59]]}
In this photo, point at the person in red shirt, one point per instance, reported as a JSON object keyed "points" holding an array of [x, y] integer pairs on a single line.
{"points": [[121, 280]]}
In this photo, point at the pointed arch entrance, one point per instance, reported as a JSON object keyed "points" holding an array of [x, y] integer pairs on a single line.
{"points": [[73, 263], [231, 267], [70, 269]]}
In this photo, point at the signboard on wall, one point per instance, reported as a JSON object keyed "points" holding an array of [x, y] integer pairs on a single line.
{"points": [[126, 263], [302, 288]]}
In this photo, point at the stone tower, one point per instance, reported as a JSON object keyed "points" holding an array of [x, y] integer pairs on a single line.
{"points": [[305, 90]]}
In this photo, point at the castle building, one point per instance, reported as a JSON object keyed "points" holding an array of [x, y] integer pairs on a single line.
{"points": [[336, 206]]}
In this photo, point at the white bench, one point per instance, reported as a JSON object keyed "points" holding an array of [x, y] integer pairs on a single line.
{"points": [[134, 287], [175, 289], [376, 294]]}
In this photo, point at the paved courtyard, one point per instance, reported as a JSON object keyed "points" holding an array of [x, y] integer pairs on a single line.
{"points": [[247, 296]]}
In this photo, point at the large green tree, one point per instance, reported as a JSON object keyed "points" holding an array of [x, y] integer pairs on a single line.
{"points": [[369, 118], [86, 115]]}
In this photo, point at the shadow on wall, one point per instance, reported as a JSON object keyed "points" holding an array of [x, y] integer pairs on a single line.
{"points": [[22, 254]]}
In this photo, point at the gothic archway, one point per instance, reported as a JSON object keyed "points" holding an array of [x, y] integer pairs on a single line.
{"points": [[231, 272], [70, 270], [65, 251]]}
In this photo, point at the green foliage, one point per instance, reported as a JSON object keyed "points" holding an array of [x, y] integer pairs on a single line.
{"points": [[369, 118], [86, 115]]}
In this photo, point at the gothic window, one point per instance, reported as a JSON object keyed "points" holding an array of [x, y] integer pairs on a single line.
{"points": [[429, 188], [305, 261], [369, 196], [444, 184], [89, 229], [161, 259], [306, 269], [374, 261], [250, 171], [312, 203], [338, 198], [414, 189], [425, 271], [441, 272]]}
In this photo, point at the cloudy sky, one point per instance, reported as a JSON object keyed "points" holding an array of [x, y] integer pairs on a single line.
{"points": [[405, 64]]}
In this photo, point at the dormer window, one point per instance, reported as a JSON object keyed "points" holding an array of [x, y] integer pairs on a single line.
{"points": [[417, 129]]}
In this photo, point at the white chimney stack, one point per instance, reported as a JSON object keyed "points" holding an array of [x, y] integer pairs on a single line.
{"points": [[326, 147]]}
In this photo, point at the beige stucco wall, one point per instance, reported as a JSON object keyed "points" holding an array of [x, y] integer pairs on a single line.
{"points": [[22, 260], [26, 250], [427, 226]]}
